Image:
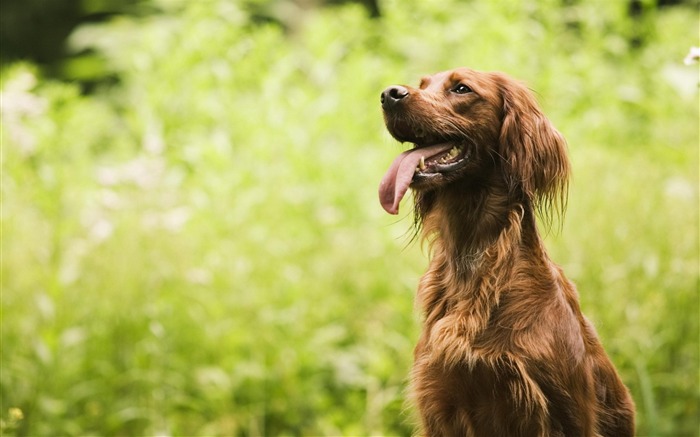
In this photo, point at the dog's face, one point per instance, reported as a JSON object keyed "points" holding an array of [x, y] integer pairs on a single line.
{"points": [[453, 118], [469, 124]]}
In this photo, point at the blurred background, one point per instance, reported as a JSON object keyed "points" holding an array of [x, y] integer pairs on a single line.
{"points": [[192, 242]]}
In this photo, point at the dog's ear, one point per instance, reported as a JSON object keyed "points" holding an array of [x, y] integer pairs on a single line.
{"points": [[534, 155]]}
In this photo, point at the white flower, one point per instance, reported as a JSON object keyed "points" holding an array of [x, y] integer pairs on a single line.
{"points": [[693, 56]]}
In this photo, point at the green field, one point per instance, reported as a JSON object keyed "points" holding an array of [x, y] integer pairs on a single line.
{"points": [[198, 249]]}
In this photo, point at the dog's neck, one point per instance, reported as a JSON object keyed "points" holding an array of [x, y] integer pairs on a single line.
{"points": [[469, 218], [479, 235]]}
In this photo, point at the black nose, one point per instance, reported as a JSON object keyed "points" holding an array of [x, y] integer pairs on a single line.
{"points": [[392, 95]]}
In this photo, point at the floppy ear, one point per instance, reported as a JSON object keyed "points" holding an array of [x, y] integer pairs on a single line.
{"points": [[534, 155]]}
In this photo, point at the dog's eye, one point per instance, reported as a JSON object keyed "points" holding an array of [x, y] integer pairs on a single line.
{"points": [[461, 89]]}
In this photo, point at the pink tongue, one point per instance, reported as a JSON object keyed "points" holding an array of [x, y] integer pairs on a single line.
{"points": [[396, 180]]}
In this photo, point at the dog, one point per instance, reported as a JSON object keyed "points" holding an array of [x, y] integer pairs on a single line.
{"points": [[505, 349]]}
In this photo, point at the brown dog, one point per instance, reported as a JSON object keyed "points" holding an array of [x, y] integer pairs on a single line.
{"points": [[505, 350]]}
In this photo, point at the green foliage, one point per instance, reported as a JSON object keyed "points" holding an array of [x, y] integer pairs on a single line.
{"points": [[200, 250]]}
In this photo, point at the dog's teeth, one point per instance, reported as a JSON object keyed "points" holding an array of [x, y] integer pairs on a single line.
{"points": [[421, 164]]}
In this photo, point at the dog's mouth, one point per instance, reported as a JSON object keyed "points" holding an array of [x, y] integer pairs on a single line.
{"points": [[418, 165], [440, 163]]}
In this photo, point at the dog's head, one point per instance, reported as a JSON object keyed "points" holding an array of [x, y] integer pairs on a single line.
{"points": [[467, 124]]}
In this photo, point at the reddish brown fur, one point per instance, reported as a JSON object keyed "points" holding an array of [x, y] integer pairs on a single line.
{"points": [[505, 349]]}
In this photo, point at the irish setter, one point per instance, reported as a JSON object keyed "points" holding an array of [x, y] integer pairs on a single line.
{"points": [[504, 350]]}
